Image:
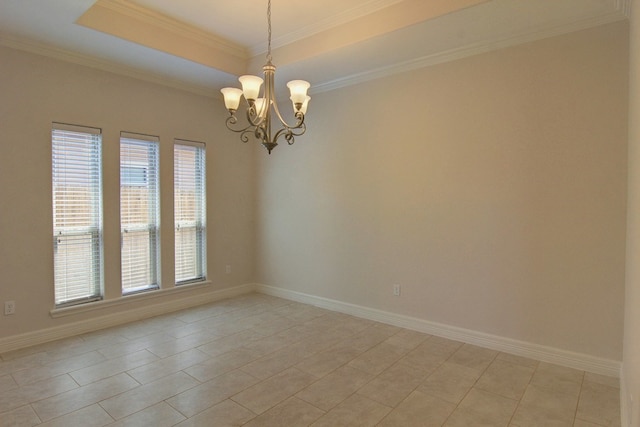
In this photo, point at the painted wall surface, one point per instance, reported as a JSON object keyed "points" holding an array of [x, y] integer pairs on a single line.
{"points": [[630, 378], [36, 91], [492, 189]]}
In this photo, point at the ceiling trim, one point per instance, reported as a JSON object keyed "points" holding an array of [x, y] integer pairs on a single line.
{"points": [[103, 65], [621, 11], [149, 28], [466, 51], [399, 15], [324, 25]]}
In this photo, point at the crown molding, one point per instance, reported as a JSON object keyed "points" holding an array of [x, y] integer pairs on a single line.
{"points": [[167, 23], [324, 25], [103, 65], [469, 50], [622, 9]]}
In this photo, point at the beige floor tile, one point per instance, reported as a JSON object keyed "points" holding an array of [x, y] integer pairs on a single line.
{"points": [[7, 383], [558, 378], [112, 367], [14, 398], [356, 411], [224, 414], [542, 406], [158, 415], [91, 416], [393, 385], [602, 379], [518, 360], [378, 358], [27, 361], [329, 391], [179, 345], [449, 382], [268, 393], [419, 409], [267, 345], [273, 327], [488, 407], [292, 412], [367, 339], [430, 354], [473, 357], [316, 366], [218, 365], [505, 379], [203, 396], [321, 364], [23, 416], [230, 342], [407, 339], [161, 368], [462, 417], [135, 345], [353, 324], [279, 360], [580, 423], [53, 369], [70, 401], [599, 404], [147, 395]]}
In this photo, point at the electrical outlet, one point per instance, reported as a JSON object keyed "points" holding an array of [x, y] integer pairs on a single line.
{"points": [[227, 269], [9, 307], [396, 290]]}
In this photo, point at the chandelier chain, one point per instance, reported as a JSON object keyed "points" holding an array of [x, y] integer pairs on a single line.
{"points": [[269, 31]]}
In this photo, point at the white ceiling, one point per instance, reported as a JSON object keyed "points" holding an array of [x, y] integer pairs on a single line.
{"points": [[331, 43]]}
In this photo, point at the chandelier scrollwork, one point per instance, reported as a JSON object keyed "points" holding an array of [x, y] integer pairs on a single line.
{"points": [[261, 111]]}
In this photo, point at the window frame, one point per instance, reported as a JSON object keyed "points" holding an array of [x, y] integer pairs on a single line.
{"points": [[147, 150], [76, 166], [193, 176]]}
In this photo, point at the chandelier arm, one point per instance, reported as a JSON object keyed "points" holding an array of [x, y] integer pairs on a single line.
{"points": [[251, 113], [232, 120], [299, 117], [287, 133]]}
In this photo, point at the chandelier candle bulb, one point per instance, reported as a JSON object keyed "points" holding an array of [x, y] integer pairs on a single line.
{"points": [[302, 107], [251, 86], [232, 97], [298, 90], [260, 110]]}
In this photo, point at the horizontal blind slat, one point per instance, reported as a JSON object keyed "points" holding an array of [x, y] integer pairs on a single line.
{"points": [[139, 211], [77, 213]]}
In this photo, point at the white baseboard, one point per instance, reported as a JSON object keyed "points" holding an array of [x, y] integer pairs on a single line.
{"points": [[583, 362], [625, 406], [29, 339]]}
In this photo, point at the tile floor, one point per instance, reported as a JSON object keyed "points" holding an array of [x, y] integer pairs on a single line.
{"points": [[257, 360]]}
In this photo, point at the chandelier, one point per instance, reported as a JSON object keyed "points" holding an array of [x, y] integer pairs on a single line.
{"points": [[261, 110]]}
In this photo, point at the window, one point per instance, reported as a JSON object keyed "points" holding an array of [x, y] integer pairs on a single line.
{"points": [[139, 212], [190, 211], [77, 213]]}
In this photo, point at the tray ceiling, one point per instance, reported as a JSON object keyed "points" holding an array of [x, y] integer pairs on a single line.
{"points": [[202, 45]]}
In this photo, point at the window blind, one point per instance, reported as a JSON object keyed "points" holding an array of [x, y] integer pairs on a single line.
{"points": [[189, 211], [77, 213], [139, 212]]}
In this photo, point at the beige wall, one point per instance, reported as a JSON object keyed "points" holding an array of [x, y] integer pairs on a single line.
{"points": [[492, 189], [630, 380], [34, 91]]}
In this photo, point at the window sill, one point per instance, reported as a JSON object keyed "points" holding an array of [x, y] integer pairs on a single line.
{"points": [[144, 296]]}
